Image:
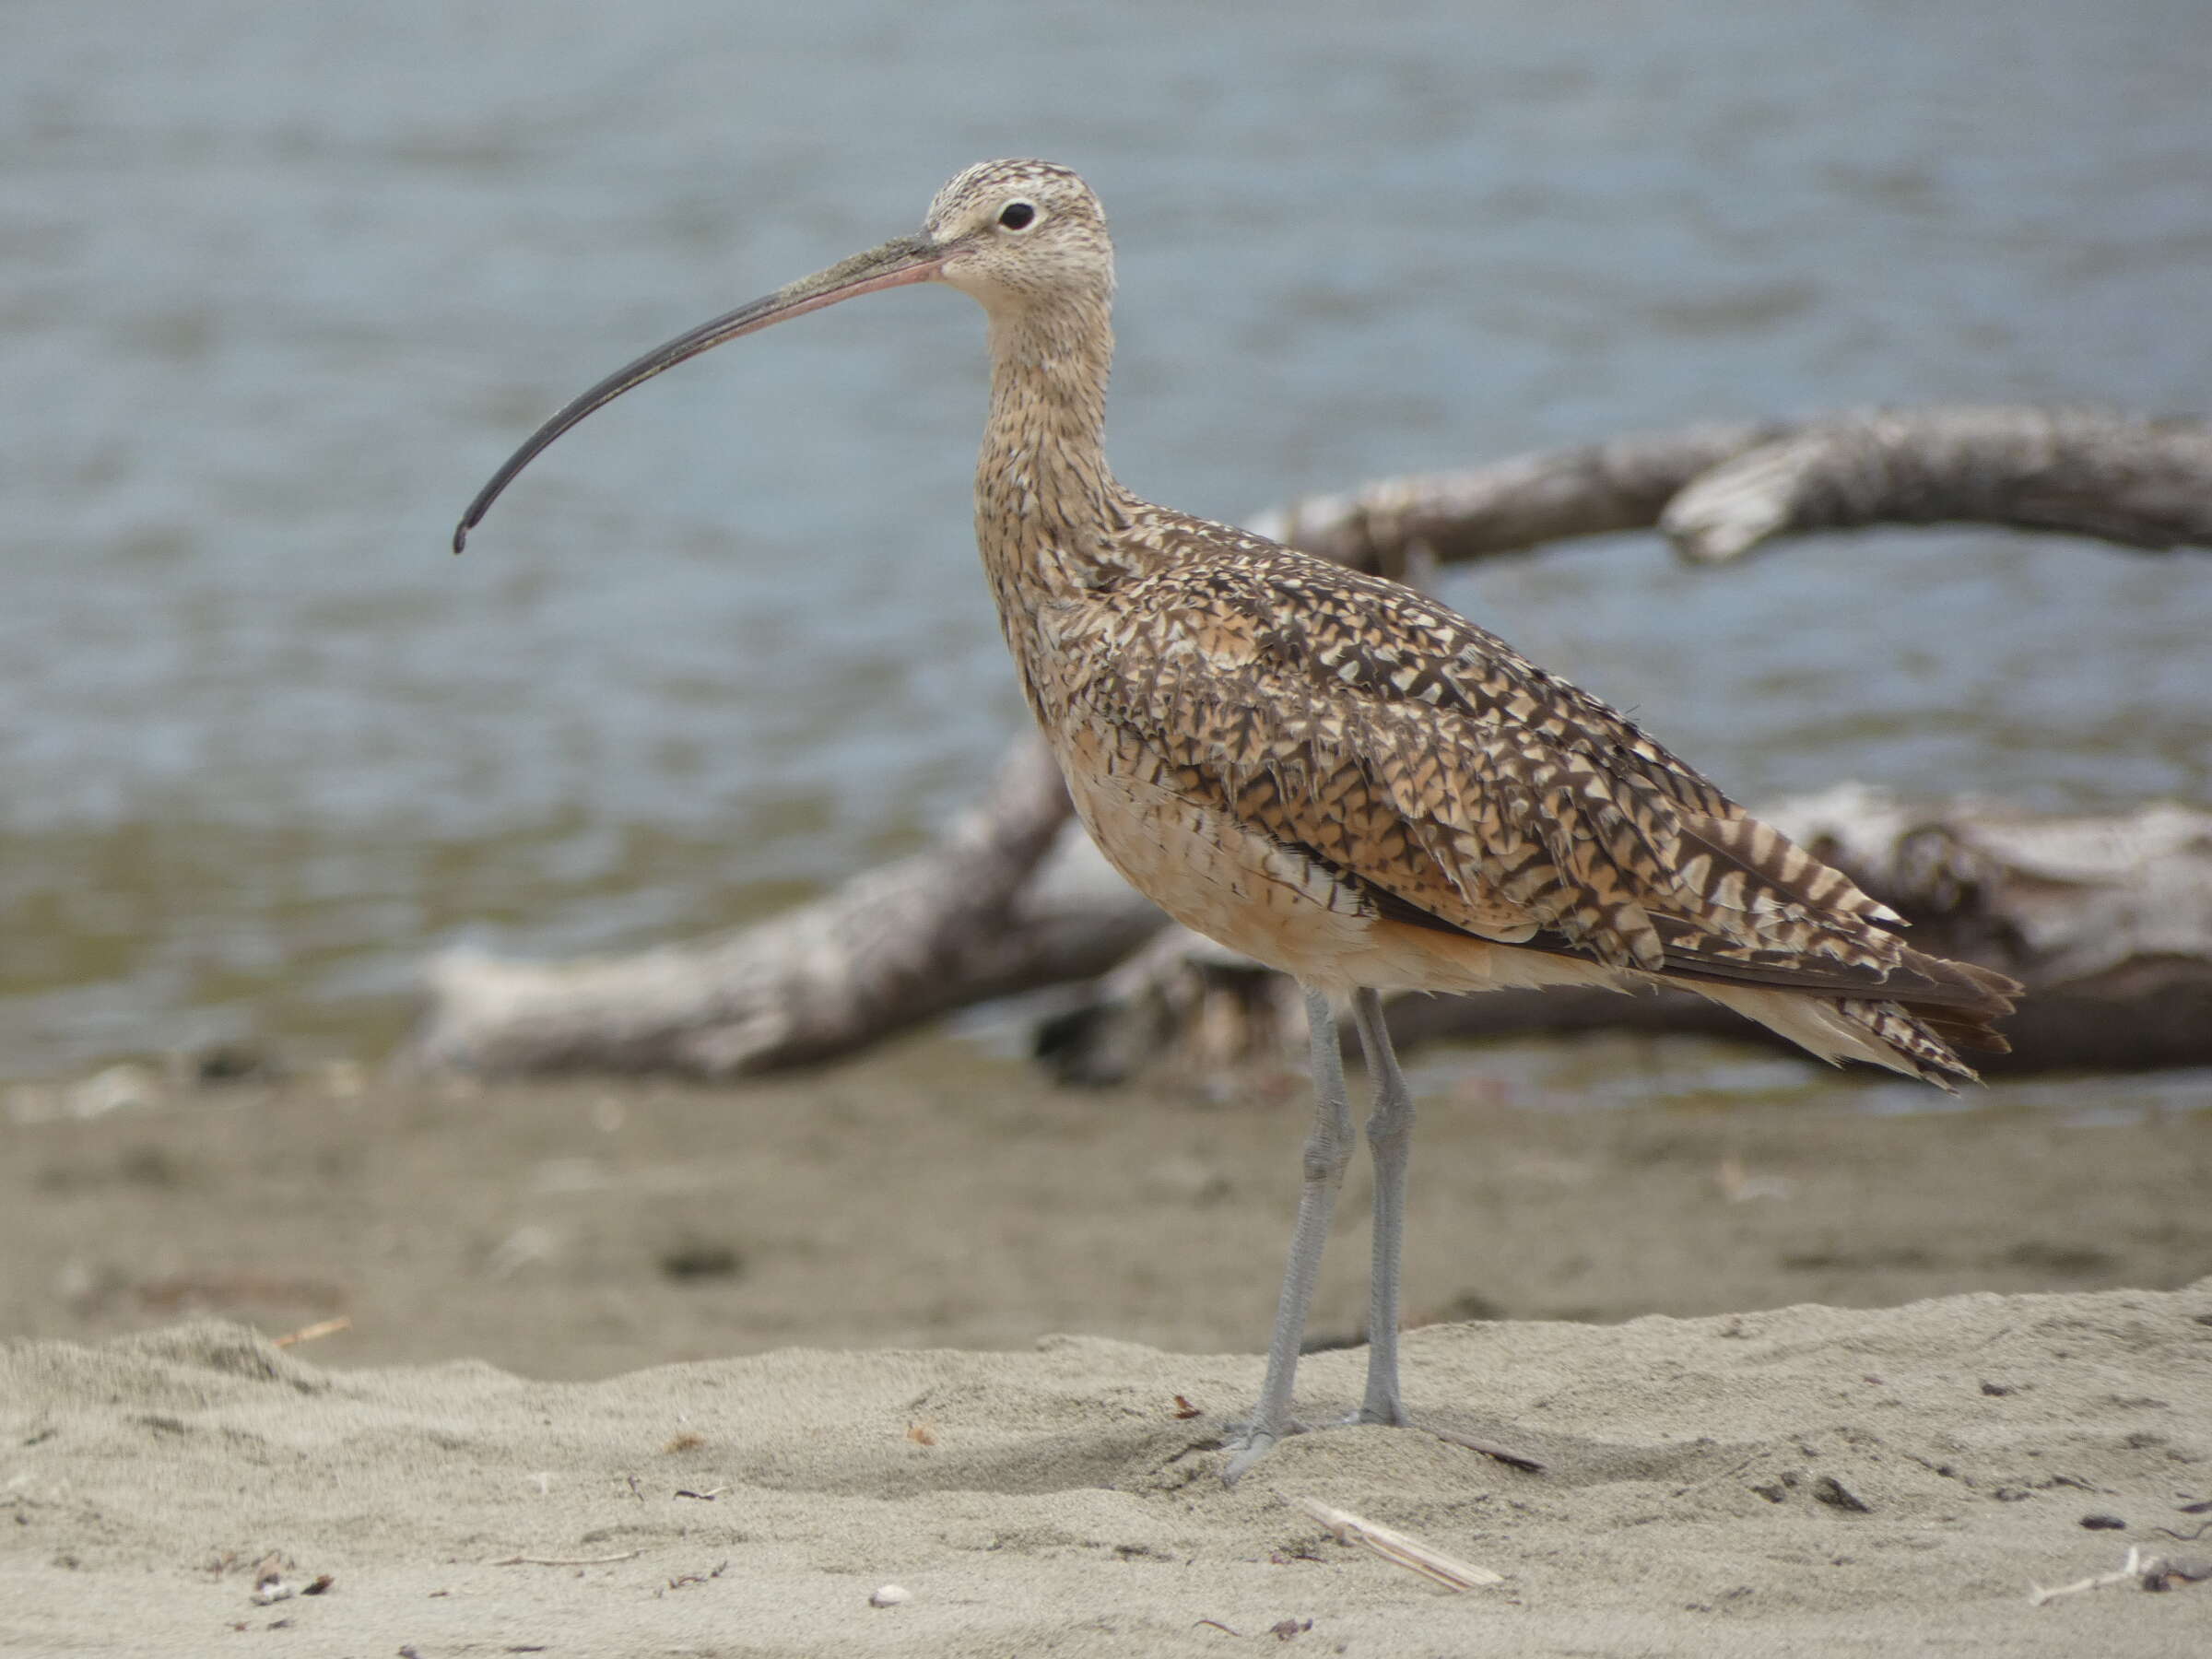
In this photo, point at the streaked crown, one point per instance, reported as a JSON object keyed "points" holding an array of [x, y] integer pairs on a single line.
{"points": [[1029, 229]]}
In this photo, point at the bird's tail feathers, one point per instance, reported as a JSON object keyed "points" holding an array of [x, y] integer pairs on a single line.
{"points": [[1920, 1041]]}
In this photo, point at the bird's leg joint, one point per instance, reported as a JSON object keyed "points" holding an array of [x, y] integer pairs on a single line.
{"points": [[1327, 1155]]}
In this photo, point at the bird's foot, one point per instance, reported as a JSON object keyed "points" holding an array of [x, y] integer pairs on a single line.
{"points": [[1255, 1448], [1260, 1440], [1382, 1408]]}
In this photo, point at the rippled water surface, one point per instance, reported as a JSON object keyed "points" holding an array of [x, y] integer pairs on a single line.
{"points": [[280, 286]]}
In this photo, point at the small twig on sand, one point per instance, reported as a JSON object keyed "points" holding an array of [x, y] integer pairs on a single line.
{"points": [[1398, 1548], [1504, 1454], [321, 1327], [2151, 1572], [531, 1560]]}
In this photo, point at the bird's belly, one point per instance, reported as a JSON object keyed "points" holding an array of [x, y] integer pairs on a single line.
{"points": [[1216, 877], [1222, 878]]}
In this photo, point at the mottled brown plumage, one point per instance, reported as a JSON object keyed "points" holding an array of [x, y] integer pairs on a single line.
{"points": [[1397, 764], [1335, 774], [1342, 777]]}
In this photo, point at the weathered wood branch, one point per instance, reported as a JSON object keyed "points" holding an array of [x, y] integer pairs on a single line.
{"points": [[2137, 483], [987, 912], [971, 918], [1718, 490], [1395, 526]]}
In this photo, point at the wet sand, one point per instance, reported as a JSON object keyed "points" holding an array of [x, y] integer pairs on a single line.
{"points": [[514, 1261]]}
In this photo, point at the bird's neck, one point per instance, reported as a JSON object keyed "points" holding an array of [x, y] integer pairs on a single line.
{"points": [[1048, 513]]}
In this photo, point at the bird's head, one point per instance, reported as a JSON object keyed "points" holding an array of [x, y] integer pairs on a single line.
{"points": [[1020, 232]]}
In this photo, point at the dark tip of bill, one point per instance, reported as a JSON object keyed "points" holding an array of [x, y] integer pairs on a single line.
{"points": [[460, 537]]}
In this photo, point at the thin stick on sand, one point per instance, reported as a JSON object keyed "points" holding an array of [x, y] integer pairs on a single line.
{"points": [[1504, 1454], [325, 1327], [2151, 1572], [1398, 1548], [531, 1560]]}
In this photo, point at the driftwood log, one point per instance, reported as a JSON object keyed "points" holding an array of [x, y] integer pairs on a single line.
{"points": [[2096, 915], [987, 912], [1718, 491]]}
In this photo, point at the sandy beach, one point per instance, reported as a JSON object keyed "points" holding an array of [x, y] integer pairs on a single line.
{"points": [[720, 1364]]}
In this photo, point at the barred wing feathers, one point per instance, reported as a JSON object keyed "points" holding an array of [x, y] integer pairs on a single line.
{"points": [[1455, 784]]}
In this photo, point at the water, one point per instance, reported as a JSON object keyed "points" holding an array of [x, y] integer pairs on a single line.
{"points": [[279, 287]]}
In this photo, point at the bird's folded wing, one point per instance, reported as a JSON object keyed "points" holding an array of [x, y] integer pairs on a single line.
{"points": [[1407, 750]]}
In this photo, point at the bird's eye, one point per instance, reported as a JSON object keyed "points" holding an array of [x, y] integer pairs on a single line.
{"points": [[1017, 215]]}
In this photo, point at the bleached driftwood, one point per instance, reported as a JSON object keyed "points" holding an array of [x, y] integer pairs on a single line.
{"points": [[2145, 1568], [1400, 1549], [1718, 490], [971, 918], [993, 910], [2138, 483]]}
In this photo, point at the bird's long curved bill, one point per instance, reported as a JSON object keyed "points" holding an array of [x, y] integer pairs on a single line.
{"points": [[902, 260]]}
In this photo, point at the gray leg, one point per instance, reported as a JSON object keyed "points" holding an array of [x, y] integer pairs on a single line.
{"points": [[1328, 1150], [1390, 1138]]}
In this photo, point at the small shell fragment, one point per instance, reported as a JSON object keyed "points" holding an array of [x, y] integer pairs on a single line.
{"points": [[268, 1581], [889, 1595]]}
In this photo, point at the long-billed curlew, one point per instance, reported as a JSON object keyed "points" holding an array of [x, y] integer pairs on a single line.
{"points": [[1335, 774]]}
